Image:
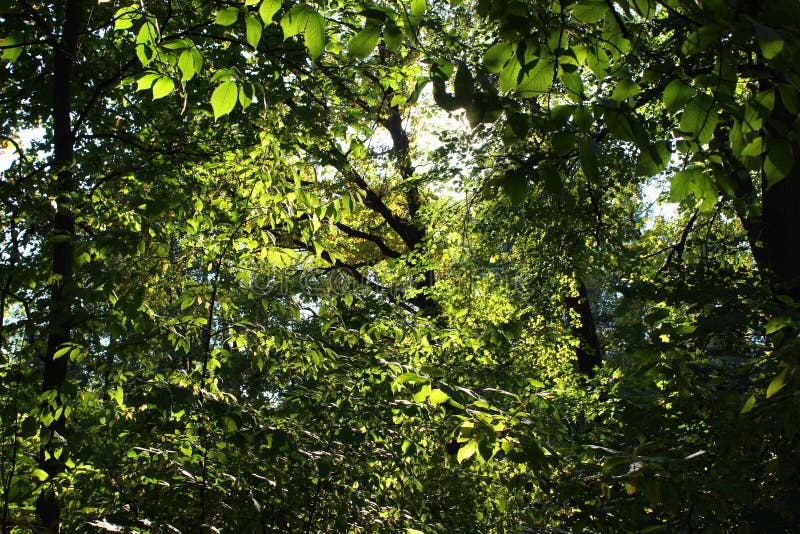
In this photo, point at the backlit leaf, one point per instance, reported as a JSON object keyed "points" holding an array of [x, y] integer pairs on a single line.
{"points": [[253, 27], [268, 9], [163, 87], [223, 99], [227, 16], [364, 42], [467, 450]]}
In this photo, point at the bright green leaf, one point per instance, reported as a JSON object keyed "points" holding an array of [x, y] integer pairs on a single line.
{"points": [[126, 16], [315, 35], [186, 65], [364, 42], [418, 8], [467, 450], [777, 383], [224, 98], [146, 81], [163, 87], [227, 16], [253, 28], [268, 9], [748, 405], [437, 397]]}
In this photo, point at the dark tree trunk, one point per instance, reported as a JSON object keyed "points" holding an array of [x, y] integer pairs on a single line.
{"points": [[589, 353], [61, 293], [780, 234]]}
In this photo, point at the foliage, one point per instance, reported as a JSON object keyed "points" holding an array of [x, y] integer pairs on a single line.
{"points": [[354, 266]]}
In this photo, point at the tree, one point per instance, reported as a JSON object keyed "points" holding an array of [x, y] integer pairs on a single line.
{"points": [[229, 304]]}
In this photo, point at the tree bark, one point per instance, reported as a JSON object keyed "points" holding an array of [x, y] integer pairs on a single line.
{"points": [[61, 292], [589, 353], [780, 235]]}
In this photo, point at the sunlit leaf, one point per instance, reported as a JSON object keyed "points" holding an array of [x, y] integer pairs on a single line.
{"points": [[364, 42], [227, 16], [223, 99], [253, 27]]}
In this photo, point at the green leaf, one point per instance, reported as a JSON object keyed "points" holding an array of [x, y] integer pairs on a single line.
{"points": [[653, 159], [117, 395], [60, 353], [563, 143], [295, 20], [680, 184], [227, 16], [246, 94], [39, 474], [702, 39], [777, 383], [253, 27], [364, 42], [163, 87], [409, 377], [496, 57], [147, 34], [515, 185], [392, 36], [589, 11], [624, 90], [268, 9], [303, 18], [437, 397], [676, 94], [777, 323], [779, 162], [178, 44], [645, 8], [418, 8], [12, 53], [694, 180], [315, 35], [699, 118], [186, 65], [224, 98], [754, 148], [748, 405], [769, 40], [509, 76], [146, 81], [539, 79], [126, 16], [467, 450]]}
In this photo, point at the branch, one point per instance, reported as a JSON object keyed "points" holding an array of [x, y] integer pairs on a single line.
{"points": [[377, 240]]}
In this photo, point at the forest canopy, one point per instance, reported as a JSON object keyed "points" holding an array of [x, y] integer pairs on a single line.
{"points": [[399, 266]]}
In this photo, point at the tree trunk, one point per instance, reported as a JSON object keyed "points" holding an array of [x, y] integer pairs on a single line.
{"points": [[780, 235], [589, 353], [61, 293]]}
